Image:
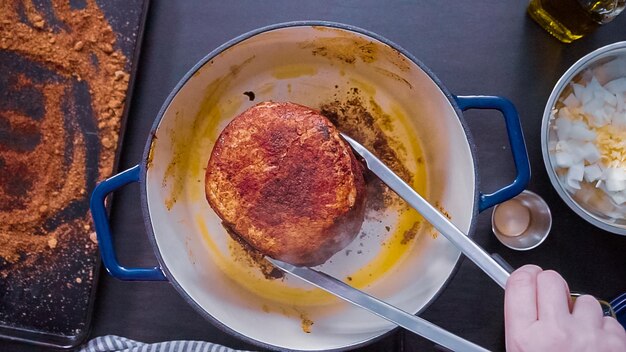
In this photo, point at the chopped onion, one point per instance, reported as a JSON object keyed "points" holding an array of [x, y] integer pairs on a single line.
{"points": [[564, 159], [590, 143], [618, 197], [571, 101], [592, 173], [575, 175], [610, 70], [617, 86], [590, 153], [562, 126], [580, 132]]}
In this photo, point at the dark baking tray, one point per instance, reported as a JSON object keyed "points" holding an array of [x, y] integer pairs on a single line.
{"points": [[53, 308]]}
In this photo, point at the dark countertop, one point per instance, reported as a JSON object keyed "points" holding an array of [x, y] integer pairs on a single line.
{"points": [[487, 47]]}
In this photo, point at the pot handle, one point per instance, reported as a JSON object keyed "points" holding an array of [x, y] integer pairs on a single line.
{"points": [[103, 230], [516, 140]]}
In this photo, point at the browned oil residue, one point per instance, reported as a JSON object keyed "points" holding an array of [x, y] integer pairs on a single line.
{"points": [[306, 323], [445, 213], [443, 210], [411, 233], [190, 254], [175, 167], [150, 158], [353, 118], [182, 162], [391, 54], [242, 252], [393, 76], [347, 50]]}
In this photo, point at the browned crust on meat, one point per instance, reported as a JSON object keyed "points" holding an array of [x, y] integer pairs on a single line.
{"points": [[282, 178]]}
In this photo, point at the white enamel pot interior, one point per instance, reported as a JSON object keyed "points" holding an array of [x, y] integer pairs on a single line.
{"points": [[311, 65]]}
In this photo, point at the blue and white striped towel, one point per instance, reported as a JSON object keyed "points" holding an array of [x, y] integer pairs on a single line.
{"points": [[112, 343]]}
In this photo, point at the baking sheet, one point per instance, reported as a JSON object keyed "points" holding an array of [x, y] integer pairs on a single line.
{"points": [[66, 70]]}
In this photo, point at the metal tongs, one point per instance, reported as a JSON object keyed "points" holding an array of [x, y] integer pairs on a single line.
{"points": [[471, 250], [399, 317]]}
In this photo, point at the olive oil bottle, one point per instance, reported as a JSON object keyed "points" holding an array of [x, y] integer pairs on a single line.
{"points": [[568, 20]]}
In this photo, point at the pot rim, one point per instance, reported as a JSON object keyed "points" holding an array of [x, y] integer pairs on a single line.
{"points": [[307, 23]]}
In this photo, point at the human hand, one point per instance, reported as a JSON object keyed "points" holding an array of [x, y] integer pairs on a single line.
{"points": [[540, 316]]}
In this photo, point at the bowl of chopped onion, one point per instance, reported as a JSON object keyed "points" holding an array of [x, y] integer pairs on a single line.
{"points": [[584, 137]]}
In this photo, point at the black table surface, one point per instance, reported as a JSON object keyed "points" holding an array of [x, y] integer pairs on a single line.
{"points": [[474, 47]]}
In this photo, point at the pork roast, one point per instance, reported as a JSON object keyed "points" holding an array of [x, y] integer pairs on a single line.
{"points": [[283, 180]]}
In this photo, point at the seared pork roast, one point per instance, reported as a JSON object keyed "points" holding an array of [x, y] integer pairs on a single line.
{"points": [[283, 181]]}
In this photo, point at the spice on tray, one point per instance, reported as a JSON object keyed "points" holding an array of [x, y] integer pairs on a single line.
{"points": [[44, 140], [63, 82]]}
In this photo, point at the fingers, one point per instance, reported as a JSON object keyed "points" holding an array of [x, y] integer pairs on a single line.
{"points": [[531, 268], [552, 296], [587, 311], [520, 298], [612, 325], [538, 317]]}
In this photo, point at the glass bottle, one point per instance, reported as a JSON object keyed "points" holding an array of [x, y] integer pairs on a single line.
{"points": [[568, 20]]}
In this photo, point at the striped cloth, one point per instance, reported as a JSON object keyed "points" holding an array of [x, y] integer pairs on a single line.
{"points": [[112, 343]]}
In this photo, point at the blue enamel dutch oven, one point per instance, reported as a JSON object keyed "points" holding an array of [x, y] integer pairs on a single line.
{"points": [[313, 64]]}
